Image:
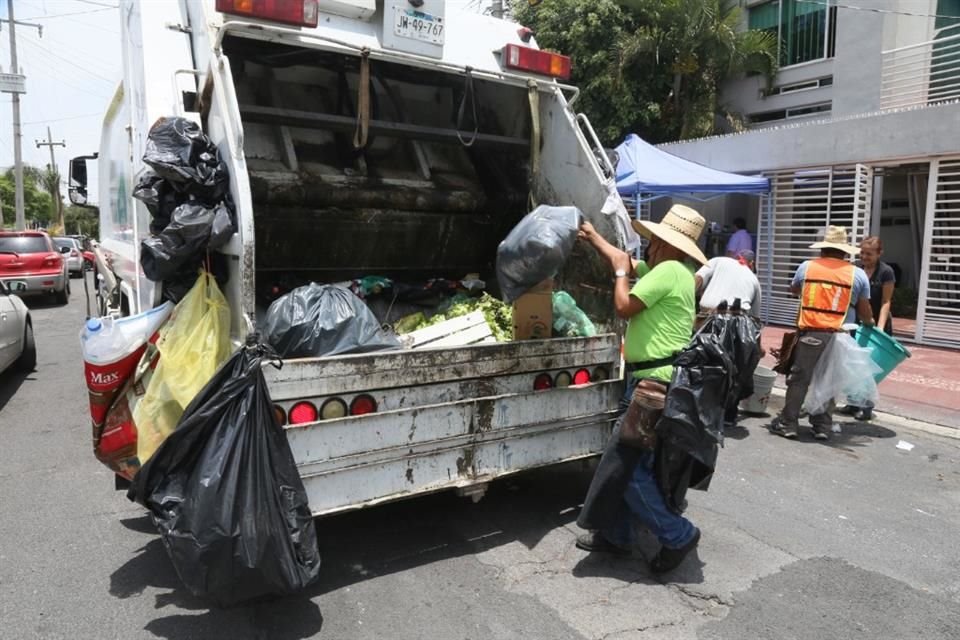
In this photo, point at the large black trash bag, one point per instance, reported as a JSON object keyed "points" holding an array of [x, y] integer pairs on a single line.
{"points": [[160, 199], [536, 249], [179, 151], [691, 427], [224, 491], [323, 320], [193, 229], [739, 333]]}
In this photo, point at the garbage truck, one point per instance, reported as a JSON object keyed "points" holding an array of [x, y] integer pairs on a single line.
{"points": [[403, 138]]}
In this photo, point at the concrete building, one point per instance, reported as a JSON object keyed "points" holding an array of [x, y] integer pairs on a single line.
{"points": [[861, 127]]}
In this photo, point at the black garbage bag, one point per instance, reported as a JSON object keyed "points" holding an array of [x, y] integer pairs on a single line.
{"points": [[160, 199], [179, 151], [536, 249], [177, 286], [739, 333], [323, 320], [224, 491], [193, 229], [691, 427]]}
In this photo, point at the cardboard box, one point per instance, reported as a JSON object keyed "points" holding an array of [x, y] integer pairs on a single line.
{"points": [[533, 313]]}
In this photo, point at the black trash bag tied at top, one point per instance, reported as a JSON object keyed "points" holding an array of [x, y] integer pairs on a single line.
{"points": [[536, 249], [739, 334], [193, 229], [180, 153], [323, 320], [187, 193], [224, 491], [691, 426]]}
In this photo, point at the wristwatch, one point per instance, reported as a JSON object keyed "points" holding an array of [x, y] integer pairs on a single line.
{"points": [[620, 273]]}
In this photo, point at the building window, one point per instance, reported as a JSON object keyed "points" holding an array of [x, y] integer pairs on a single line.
{"points": [[806, 30], [804, 111]]}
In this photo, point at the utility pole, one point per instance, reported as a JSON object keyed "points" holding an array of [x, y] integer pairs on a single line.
{"points": [[21, 221], [53, 168]]}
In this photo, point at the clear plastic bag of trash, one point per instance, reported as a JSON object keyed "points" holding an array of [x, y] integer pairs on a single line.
{"points": [[844, 372], [224, 492], [323, 320], [193, 229], [569, 320], [536, 248]]}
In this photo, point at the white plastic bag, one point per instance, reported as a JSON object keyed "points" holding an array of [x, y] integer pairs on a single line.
{"points": [[614, 206], [844, 372]]}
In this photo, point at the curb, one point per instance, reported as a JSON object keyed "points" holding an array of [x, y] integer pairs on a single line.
{"points": [[899, 421]]}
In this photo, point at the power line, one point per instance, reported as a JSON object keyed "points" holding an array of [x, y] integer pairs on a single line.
{"points": [[85, 115], [65, 15], [68, 61], [827, 3], [99, 4]]}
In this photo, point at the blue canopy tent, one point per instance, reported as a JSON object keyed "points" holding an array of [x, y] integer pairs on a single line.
{"points": [[647, 173]]}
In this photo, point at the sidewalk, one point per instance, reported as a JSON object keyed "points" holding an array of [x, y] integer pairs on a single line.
{"points": [[925, 387]]}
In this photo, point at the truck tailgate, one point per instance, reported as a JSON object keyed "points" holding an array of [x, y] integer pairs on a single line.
{"points": [[447, 418]]}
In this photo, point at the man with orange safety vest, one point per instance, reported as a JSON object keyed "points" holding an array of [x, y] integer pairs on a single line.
{"points": [[828, 286]]}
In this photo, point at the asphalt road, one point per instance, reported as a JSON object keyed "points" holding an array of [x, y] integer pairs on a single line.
{"points": [[800, 540]]}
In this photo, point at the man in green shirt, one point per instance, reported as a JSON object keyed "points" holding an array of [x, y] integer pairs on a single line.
{"points": [[660, 310]]}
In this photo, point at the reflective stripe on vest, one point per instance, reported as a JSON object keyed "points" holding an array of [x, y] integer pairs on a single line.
{"points": [[826, 294]]}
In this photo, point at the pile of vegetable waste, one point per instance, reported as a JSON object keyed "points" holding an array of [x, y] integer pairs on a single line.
{"points": [[498, 315]]}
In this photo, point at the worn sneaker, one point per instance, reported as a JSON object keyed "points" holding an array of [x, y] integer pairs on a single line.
{"points": [[783, 430], [864, 415], [669, 559], [849, 410], [594, 542], [821, 435]]}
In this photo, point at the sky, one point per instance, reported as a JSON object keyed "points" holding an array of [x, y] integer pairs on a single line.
{"points": [[72, 71]]}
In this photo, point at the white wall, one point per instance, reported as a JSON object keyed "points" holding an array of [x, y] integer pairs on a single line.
{"points": [[893, 135]]}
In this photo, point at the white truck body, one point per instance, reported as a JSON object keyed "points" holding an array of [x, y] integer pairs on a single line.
{"points": [[407, 204]]}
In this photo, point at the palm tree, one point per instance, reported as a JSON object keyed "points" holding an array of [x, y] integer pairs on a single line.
{"points": [[699, 44]]}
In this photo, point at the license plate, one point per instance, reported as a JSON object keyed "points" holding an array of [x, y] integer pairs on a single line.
{"points": [[417, 25]]}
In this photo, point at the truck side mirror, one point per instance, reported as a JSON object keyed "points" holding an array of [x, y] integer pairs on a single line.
{"points": [[78, 179]]}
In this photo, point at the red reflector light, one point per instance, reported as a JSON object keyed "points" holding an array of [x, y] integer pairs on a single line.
{"points": [[303, 412], [536, 61], [302, 13], [582, 376], [542, 381], [280, 414], [362, 405]]}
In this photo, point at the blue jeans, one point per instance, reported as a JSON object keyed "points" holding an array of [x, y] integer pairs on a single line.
{"points": [[643, 501]]}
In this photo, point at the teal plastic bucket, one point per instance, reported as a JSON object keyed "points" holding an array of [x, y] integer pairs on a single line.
{"points": [[885, 351]]}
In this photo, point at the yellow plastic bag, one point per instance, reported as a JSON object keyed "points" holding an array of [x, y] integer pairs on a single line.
{"points": [[192, 345]]}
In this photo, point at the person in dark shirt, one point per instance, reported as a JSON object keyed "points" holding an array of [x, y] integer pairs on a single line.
{"points": [[882, 282]]}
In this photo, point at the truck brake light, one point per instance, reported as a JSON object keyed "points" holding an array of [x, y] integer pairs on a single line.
{"points": [[302, 413], [536, 61], [303, 13]]}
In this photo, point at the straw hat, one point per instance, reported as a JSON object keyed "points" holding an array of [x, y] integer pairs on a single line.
{"points": [[680, 228], [836, 238]]}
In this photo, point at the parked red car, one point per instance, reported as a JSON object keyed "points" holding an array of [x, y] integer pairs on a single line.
{"points": [[30, 257]]}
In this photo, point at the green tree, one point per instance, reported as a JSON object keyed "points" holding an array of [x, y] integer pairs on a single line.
{"points": [[701, 45], [652, 67], [82, 220], [616, 103], [37, 203]]}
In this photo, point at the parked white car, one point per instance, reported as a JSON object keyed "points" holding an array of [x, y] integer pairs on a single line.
{"points": [[73, 252], [17, 347]]}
